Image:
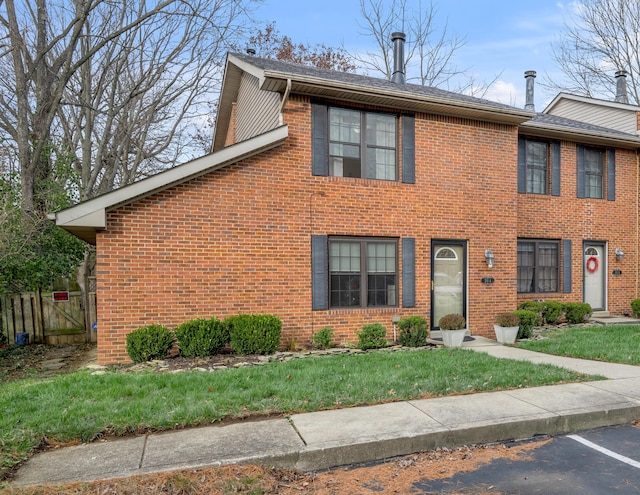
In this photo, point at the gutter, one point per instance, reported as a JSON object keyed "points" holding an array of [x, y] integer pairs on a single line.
{"points": [[285, 100]]}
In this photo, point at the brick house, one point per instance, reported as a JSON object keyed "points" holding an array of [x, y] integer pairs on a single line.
{"points": [[333, 199]]}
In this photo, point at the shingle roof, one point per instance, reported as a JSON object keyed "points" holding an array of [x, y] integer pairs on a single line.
{"points": [[553, 120]]}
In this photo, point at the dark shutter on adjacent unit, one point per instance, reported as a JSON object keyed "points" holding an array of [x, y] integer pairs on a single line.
{"points": [[408, 272], [566, 266], [319, 273], [611, 175], [580, 151], [522, 164], [319, 130], [555, 168], [408, 149]]}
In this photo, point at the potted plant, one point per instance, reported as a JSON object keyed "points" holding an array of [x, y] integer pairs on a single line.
{"points": [[506, 327], [453, 329]]}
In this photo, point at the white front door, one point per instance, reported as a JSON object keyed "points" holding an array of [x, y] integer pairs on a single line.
{"points": [[594, 276], [448, 281]]}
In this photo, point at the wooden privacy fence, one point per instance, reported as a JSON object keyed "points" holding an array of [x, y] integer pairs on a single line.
{"points": [[49, 320]]}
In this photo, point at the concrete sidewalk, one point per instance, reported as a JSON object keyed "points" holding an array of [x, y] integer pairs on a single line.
{"points": [[332, 438]]}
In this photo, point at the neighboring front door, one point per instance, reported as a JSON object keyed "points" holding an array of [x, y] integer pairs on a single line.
{"points": [[448, 279], [594, 275]]}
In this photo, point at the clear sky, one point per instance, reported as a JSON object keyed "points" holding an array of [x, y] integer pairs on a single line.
{"points": [[503, 37]]}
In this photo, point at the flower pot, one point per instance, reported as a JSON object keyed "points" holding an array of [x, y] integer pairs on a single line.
{"points": [[453, 338], [506, 335]]}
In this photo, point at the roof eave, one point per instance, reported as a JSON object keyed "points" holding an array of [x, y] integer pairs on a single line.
{"points": [[560, 132]]}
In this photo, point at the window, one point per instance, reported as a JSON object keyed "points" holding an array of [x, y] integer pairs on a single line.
{"points": [[537, 163], [362, 273], [362, 144], [538, 266], [593, 172], [596, 172]]}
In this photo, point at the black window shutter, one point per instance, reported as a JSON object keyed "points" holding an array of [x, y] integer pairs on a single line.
{"points": [[319, 130], [408, 272], [319, 272], [408, 149], [522, 165], [611, 175], [580, 151], [566, 266], [555, 168]]}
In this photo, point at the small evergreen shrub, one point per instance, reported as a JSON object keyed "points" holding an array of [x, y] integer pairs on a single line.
{"points": [[201, 338], [414, 331], [552, 311], [528, 320], [452, 321], [635, 308], [254, 334], [534, 306], [508, 319], [148, 343], [373, 336], [323, 338], [577, 312]]}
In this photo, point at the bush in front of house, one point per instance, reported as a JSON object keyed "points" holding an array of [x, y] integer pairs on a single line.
{"points": [[201, 337], [528, 320], [323, 338], [413, 331], [552, 311], [535, 306], [373, 336], [635, 308], [453, 321], [254, 334], [577, 312], [148, 343]]}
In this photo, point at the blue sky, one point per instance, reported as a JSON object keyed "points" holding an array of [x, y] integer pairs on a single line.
{"points": [[503, 37]]}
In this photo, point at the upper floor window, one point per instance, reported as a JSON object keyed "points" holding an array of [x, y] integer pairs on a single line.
{"points": [[362, 144], [538, 166], [593, 172], [537, 163], [596, 172], [538, 266]]}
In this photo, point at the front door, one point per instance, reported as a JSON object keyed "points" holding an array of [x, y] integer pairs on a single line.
{"points": [[594, 275], [448, 279]]}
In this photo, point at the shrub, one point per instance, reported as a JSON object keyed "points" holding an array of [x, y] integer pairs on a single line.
{"points": [[372, 336], [536, 307], [577, 312], [508, 319], [414, 331], [528, 320], [201, 338], [148, 343], [552, 311], [323, 338], [3, 338], [635, 308], [452, 321], [254, 334]]}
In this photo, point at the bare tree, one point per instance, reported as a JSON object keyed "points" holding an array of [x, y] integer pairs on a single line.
{"points": [[601, 38], [430, 48], [109, 81]]}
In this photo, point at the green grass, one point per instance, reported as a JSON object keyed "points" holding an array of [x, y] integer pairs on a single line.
{"points": [[615, 343], [81, 406]]}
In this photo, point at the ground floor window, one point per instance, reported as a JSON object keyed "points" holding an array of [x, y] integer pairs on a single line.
{"points": [[538, 266], [362, 272]]}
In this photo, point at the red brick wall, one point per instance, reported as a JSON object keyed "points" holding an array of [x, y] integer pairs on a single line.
{"points": [[238, 240]]}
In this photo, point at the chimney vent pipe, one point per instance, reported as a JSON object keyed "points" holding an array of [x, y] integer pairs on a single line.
{"points": [[621, 87], [251, 51], [398, 57], [530, 75]]}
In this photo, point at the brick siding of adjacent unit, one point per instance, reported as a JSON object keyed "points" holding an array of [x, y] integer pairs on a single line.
{"points": [[238, 240]]}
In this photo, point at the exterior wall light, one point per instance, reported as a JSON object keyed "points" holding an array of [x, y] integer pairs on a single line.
{"points": [[488, 254], [619, 254]]}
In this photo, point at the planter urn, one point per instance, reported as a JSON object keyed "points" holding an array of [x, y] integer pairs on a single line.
{"points": [[506, 335], [453, 338]]}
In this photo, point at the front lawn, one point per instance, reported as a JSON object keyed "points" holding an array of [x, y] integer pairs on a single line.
{"points": [[81, 406], [615, 343]]}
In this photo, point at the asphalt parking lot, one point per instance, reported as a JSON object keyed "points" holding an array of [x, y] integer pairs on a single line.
{"points": [[605, 460]]}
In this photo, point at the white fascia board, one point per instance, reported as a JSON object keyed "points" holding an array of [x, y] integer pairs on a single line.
{"points": [[551, 130], [92, 213], [248, 68]]}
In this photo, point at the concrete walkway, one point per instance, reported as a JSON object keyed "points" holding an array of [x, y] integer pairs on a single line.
{"points": [[325, 439]]}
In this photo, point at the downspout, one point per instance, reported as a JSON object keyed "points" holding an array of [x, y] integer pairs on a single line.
{"points": [[285, 100]]}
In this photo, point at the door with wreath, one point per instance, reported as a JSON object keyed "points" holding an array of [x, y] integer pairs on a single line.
{"points": [[594, 275]]}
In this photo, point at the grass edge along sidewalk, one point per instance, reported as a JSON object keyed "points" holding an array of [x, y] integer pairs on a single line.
{"points": [[82, 407]]}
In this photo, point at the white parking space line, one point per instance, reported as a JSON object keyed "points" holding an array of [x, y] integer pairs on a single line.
{"points": [[604, 451]]}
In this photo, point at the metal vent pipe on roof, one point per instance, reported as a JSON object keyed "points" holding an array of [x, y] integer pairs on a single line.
{"points": [[398, 57], [251, 51], [530, 75], [621, 87]]}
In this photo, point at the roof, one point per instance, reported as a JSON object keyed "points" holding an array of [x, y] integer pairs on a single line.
{"points": [[274, 75], [591, 101], [85, 219]]}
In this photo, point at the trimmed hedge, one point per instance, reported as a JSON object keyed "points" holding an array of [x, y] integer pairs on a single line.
{"points": [[323, 338], [635, 308], [254, 334], [201, 338], [528, 320], [149, 343], [414, 331], [577, 312], [373, 336], [552, 311]]}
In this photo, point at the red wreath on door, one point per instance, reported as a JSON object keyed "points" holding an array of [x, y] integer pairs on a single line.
{"points": [[592, 264]]}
